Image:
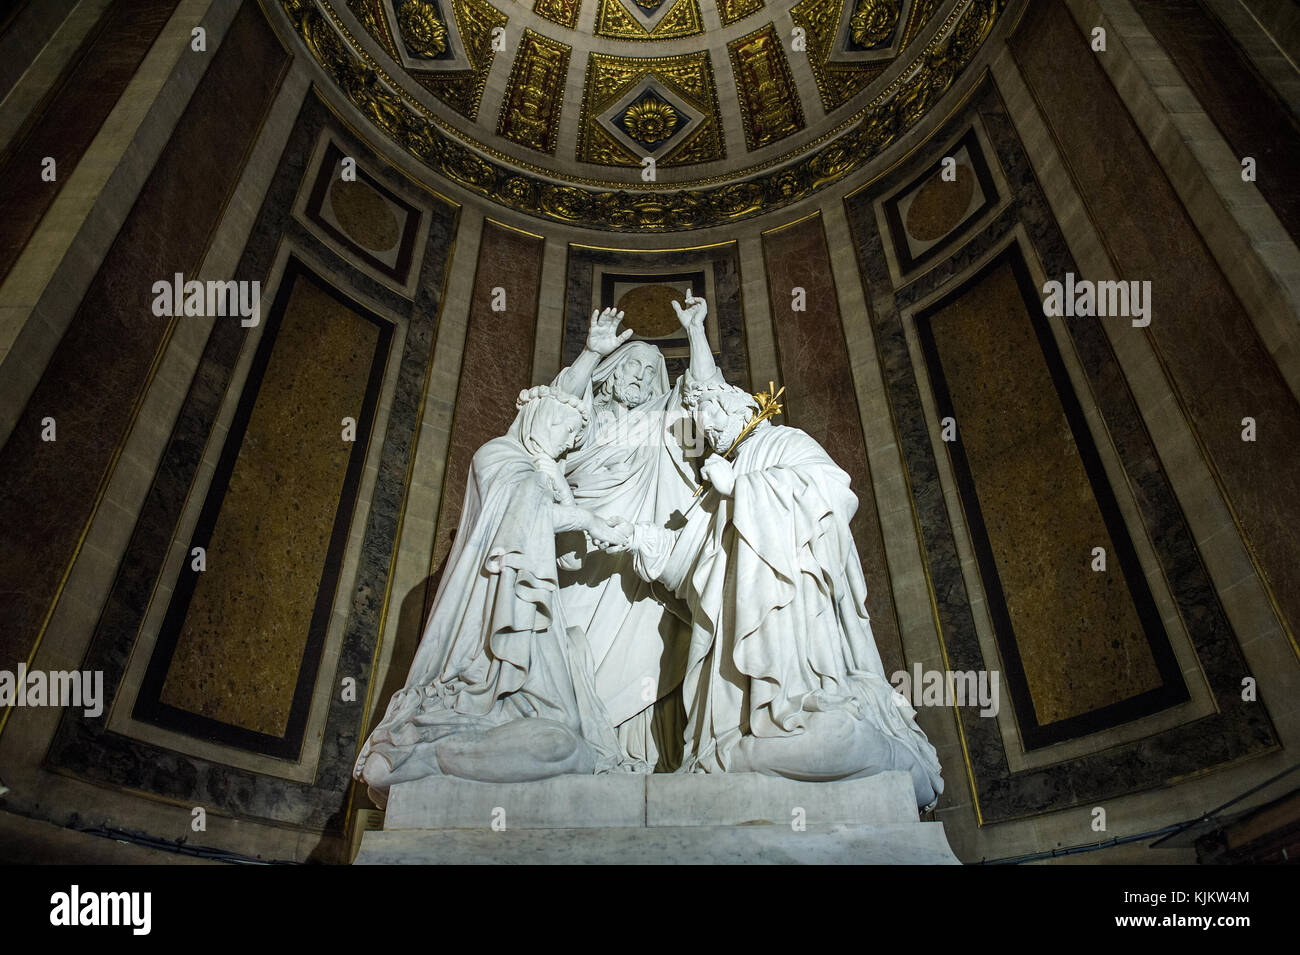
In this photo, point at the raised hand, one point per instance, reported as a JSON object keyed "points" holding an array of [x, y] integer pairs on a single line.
{"points": [[603, 336], [692, 316]]}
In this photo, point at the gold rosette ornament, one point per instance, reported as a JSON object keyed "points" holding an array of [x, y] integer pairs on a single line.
{"points": [[423, 32], [874, 20], [650, 120]]}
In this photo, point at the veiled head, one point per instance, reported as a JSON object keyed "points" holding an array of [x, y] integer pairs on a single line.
{"points": [[632, 375], [550, 422]]}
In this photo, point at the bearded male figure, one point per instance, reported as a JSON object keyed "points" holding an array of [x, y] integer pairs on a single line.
{"points": [[782, 676], [631, 463]]}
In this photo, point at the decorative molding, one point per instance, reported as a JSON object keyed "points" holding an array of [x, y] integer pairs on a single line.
{"points": [[563, 12], [669, 21], [617, 84], [769, 99], [837, 83], [650, 209], [530, 111], [462, 90], [733, 11]]}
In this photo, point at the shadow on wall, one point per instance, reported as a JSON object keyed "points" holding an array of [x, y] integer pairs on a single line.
{"points": [[412, 617]]}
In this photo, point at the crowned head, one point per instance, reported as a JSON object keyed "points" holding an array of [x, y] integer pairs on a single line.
{"points": [[720, 411], [550, 421]]}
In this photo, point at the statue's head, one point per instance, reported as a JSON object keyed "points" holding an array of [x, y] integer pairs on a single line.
{"points": [[550, 421], [720, 411], [634, 374]]}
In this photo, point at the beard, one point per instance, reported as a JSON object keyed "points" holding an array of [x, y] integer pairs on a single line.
{"points": [[629, 394], [720, 439]]}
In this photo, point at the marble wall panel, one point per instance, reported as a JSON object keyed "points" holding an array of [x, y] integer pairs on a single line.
{"points": [[820, 398], [367, 221], [932, 213], [498, 360], [25, 29], [239, 651], [1083, 647], [63, 126], [1219, 368], [1234, 95], [83, 747], [1239, 729], [49, 489]]}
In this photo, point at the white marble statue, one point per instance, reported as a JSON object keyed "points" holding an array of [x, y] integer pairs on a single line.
{"points": [[501, 689], [782, 675], [631, 463], [594, 616]]}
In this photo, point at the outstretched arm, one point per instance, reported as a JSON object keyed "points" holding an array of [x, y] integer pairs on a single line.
{"points": [[692, 319], [602, 338], [658, 554]]}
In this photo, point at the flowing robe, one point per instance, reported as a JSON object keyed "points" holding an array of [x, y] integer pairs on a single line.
{"points": [[780, 628], [496, 647], [631, 465]]}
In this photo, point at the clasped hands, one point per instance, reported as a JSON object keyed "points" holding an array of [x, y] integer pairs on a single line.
{"points": [[611, 535], [614, 535]]}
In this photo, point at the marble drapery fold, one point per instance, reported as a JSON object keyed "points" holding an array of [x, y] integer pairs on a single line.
{"points": [[781, 644], [631, 464], [497, 647]]}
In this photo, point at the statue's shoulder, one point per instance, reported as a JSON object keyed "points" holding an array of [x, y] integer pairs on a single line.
{"points": [[791, 438], [496, 452], [794, 446]]}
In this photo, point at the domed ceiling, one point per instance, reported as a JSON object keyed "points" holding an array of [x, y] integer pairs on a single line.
{"points": [[644, 115]]}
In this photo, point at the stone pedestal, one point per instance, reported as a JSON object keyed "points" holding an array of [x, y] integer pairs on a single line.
{"points": [[738, 818]]}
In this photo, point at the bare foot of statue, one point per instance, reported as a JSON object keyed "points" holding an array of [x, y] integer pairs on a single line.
{"points": [[380, 775], [515, 752]]}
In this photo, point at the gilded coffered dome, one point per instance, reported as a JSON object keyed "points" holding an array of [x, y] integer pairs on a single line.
{"points": [[645, 115]]}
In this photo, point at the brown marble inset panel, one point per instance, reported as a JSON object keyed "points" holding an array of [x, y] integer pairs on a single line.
{"points": [[374, 225], [497, 364], [240, 647], [1077, 632], [1218, 366], [49, 490], [63, 126], [820, 397]]}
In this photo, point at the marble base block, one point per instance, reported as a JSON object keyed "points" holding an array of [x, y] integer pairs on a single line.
{"points": [[917, 843], [740, 799], [561, 802], [726, 818]]}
